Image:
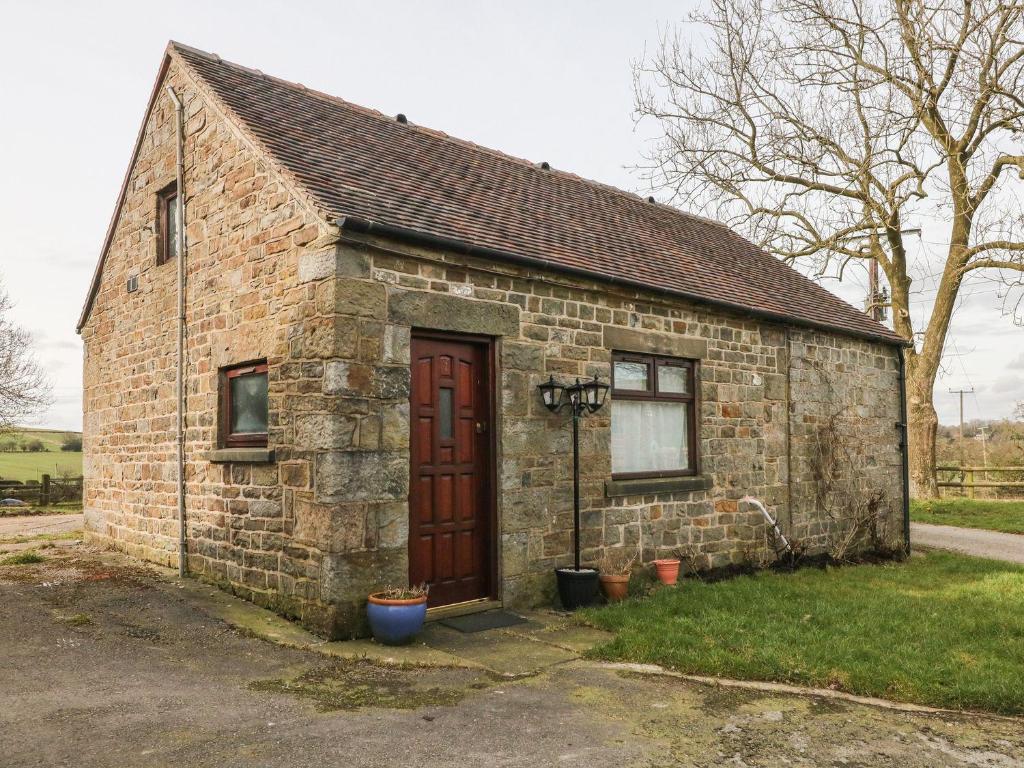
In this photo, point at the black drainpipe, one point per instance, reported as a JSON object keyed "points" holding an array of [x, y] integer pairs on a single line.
{"points": [[904, 449]]}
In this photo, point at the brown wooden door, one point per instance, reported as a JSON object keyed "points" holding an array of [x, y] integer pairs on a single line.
{"points": [[449, 496]]}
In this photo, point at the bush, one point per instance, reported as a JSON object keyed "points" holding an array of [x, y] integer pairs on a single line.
{"points": [[35, 446], [72, 443]]}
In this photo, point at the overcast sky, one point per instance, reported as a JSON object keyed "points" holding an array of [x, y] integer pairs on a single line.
{"points": [[540, 80]]}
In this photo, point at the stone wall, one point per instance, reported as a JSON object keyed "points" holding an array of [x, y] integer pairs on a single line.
{"points": [[310, 532], [246, 231], [765, 391]]}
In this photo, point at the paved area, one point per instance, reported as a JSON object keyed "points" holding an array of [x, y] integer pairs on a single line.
{"points": [[33, 525], [106, 663], [21, 532], [969, 541]]}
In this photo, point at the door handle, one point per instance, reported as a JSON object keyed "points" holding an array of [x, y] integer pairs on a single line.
{"points": [[481, 427]]}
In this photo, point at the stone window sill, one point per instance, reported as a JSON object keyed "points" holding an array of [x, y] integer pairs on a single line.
{"points": [[646, 486], [241, 455]]}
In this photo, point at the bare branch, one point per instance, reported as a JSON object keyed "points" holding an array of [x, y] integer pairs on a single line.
{"points": [[24, 388], [823, 128]]}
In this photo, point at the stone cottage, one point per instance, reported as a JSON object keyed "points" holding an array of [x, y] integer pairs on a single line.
{"points": [[366, 309]]}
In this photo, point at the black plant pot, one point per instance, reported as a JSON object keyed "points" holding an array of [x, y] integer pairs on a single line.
{"points": [[577, 589]]}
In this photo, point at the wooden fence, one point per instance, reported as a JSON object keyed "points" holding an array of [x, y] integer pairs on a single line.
{"points": [[50, 491], [970, 478]]}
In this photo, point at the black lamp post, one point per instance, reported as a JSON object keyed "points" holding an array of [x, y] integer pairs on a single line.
{"points": [[577, 587]]}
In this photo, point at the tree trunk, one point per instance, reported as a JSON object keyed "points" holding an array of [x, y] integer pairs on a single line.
{"points": [[923, 426]]}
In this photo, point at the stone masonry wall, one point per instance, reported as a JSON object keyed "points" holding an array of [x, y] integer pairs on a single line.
{"points": [[761, 384], [244, 302]]}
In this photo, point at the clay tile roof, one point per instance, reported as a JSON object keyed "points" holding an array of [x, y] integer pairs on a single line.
{"points": [[361, 164]]}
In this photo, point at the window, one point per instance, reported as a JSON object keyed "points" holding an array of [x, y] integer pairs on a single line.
{"points": [[654, 416], [167, 223], [244, 409]]}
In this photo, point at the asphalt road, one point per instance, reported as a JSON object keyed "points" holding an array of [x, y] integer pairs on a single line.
{"points": [[969, 541]]}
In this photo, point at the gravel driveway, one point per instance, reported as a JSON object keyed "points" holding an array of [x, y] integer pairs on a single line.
{"points": [[33, 525], [106, 663], [970, 541], [21, 532]]}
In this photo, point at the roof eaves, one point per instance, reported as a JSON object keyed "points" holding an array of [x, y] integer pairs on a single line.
{"points": [[294, 186], [427, 239]]}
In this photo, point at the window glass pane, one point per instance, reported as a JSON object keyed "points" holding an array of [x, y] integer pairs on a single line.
{"points": [[249, 403], [649, 436], [631, 376], [445, 414], [673, 380], [171, 217]]}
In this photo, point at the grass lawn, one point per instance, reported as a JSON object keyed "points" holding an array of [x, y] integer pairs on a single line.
{"points": [[1005, 516], [941, 629]]}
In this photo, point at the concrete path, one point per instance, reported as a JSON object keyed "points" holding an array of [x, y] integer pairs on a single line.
{"points": [[969, 541], [107, 664], [22, 532]]}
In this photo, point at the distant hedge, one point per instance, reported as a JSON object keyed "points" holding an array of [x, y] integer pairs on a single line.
{"points": [[71, 443]]}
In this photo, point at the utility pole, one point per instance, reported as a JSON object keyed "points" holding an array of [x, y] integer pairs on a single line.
{"points": [[984, 455], [877, 301], [871, 305], [962, 392]]}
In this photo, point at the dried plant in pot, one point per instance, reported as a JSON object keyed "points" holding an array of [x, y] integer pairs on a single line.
{"points": [[615, 569], [397, 614]]}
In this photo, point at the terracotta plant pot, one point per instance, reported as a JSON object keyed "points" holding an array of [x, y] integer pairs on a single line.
{"points": [[668, 571], [615, 586]]}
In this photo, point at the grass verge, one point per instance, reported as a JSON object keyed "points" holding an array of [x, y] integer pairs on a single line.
{"points": [[28, 557], [64, 508], [1003, 516], [942, 630], [43, 538]]}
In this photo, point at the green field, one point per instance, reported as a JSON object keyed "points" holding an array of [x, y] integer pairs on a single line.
{"points": [[32, 466], [1005, 516]]}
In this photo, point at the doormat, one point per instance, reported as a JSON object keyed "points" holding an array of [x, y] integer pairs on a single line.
{"points": [[479, 622]]}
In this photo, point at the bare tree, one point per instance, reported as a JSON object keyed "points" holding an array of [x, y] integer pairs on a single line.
{"points": [[24, 388], [825, 129]]}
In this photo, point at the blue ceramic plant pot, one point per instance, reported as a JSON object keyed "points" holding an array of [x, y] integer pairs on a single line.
{"points": [[395, 622]]}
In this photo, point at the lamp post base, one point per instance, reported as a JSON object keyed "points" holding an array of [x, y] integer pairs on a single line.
{"points": [[577, 589]]}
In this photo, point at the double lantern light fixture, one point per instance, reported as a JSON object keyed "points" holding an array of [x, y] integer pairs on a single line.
{"points": [[589, 395], [577, 587]]}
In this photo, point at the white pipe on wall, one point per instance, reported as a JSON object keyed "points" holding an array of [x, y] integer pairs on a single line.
{"points": [[771, 521], [179, 201]]}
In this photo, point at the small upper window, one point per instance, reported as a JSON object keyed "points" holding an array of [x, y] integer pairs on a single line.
{"points": [[654, 416], [167, 223], [245, 409]]}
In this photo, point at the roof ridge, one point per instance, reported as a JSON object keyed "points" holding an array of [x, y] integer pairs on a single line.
{"points": [[635, 197], [632, 197]]}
